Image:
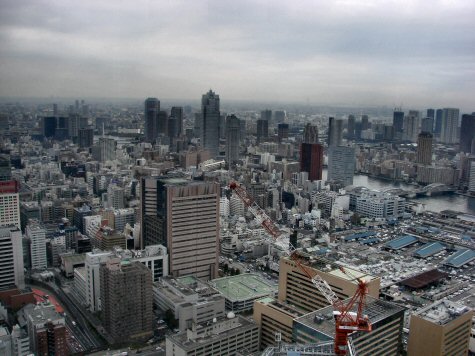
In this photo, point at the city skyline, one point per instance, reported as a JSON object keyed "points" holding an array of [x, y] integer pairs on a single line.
{"points": [[311, 52]]}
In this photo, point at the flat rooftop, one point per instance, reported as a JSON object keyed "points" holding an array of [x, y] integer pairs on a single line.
{"points": [[424, 279], [281, 306], [429, 249], [460, 258], [323, 320], [243, 287], [359, 235], [401, 242], [442, 312]]}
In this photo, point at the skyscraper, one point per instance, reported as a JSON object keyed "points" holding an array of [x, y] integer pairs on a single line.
{"points": [[177, 113], [311, 160], [365, 124], [262, 128], [86, 137], [411, 126], [341, 164], [233, 134], [126, 296], [427, 124], [279, 116], [335, 131], [162, 123], [152, 107], [37, 236], [430, 113], [310, 133], [10, 203], [467, 133], [351, 127], [282, 131], [11, 255], [438, 121], [424, 148], [398, 122], [5, 168], [449, 125], [183, 215], [210, 122]]}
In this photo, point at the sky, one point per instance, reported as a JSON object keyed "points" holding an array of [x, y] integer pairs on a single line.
{"points": [[366, 52]]}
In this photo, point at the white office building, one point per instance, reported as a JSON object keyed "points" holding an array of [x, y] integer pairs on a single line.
{"points": [[93, 280], [11, 258], [37, 236]]}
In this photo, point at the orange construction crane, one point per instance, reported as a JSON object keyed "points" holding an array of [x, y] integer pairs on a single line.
{"points": [[346, 321]]}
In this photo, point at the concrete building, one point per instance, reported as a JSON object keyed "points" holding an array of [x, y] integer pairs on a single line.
{"points": [[335, 132], [122, 217], [80, 283], [449, 126], [467, 133], [441, 328], [190, 300], [115, 197], [398, 122], [311, 160], [412, 125], [295, 288], [282, 132], [226, 336], [107, 238], [86, 137], [11, 258], [177, 113], [37, 236], [233, 135], [386, 318], [274, 317], [471, 184], [310, 133], [341, 164], [46, 329], [152, 107], [10, 203], [5, 342], [105, 150], [210, 123], [262, 128], [20, 341], [374, 204], [424, 148], [437, 174], [93, 281], [126, 296], [183, 215]]}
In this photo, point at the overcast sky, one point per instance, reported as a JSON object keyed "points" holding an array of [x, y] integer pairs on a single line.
{"points": [[415, 53]]}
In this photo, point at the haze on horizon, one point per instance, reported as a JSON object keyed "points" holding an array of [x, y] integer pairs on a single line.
{"points": [[368, 52]]}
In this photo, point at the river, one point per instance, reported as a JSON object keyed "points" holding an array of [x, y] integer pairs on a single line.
{"points": [[437, 203]]}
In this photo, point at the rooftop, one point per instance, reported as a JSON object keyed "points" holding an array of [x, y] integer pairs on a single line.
{"points": [[243, 287], [401, 242], [424, 279], [460, 258], [442, 312], [429, 249]]}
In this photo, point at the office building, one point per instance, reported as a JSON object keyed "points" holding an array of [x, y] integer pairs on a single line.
{"points": [[280, 116], [152, 107], [441, 328], [183, 215], [378, 205], [438, 122], [46, 329], [412, 125], [365, 124], [5, 168], [311, 160], [162, 123], [385, 338], [233, 135], [20, 341], [93, 281], [430, 113], [11, 258], [126, 296], [210, 116], [78, 217], [115, 197], [122, 217], [341, 164], [427, 124], [471, 183], [263, 125], [467, 133], [10, 203], [282, 131], [86, 137], [297, 289], [398, 121], [335, 132], [449, 126], [107, 238], [424, 148], [105, 149], [177, 113], [37, 237], [351, 127], [310, 133], [226, 336]]}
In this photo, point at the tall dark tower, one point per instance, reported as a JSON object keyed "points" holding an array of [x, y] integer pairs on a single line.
{"points": [[210, 122], [335, 131], [438, 121], [398, 121], [177, 112], [310, 133], [282, 131], [311, 160], [263, 125], [233, 134], [424, 148], [152, 107], [467, 132], [351, 127]]}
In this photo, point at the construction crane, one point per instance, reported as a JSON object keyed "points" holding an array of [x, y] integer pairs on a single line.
{"points": [[346, 321]]}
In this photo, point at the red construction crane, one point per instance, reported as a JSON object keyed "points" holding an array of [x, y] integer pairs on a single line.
{"points": [[346, 321]]}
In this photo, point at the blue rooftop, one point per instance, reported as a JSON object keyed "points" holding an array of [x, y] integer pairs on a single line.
{"points": [[460, 258], [359, 235], [401, 242], [429, 249]]}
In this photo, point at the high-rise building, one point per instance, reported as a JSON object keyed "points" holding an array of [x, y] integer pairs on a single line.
{"points": [[86, 137], [365, 124], [341, 164], [126, 296], [311, 160], [412, 125], [441, 328], [37, 236], [449, 126], [424, 148], [49, 124], [10, 203], [398, 121], [262, 129], [310, 133], [177, 113], [210, 122], [335, 132], [233, 135], [430, 113], [93, 282], [282, 131], [162, 123], [152, 107], [105, 149], [467, 133], [427, 124], [279, 116], [11, 255], [183, 215], [351, 127], [47, 330], [5, 168], [438, 122]]}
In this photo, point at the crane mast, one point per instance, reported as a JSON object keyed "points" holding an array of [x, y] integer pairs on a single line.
{"points": [[346, 321]]}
